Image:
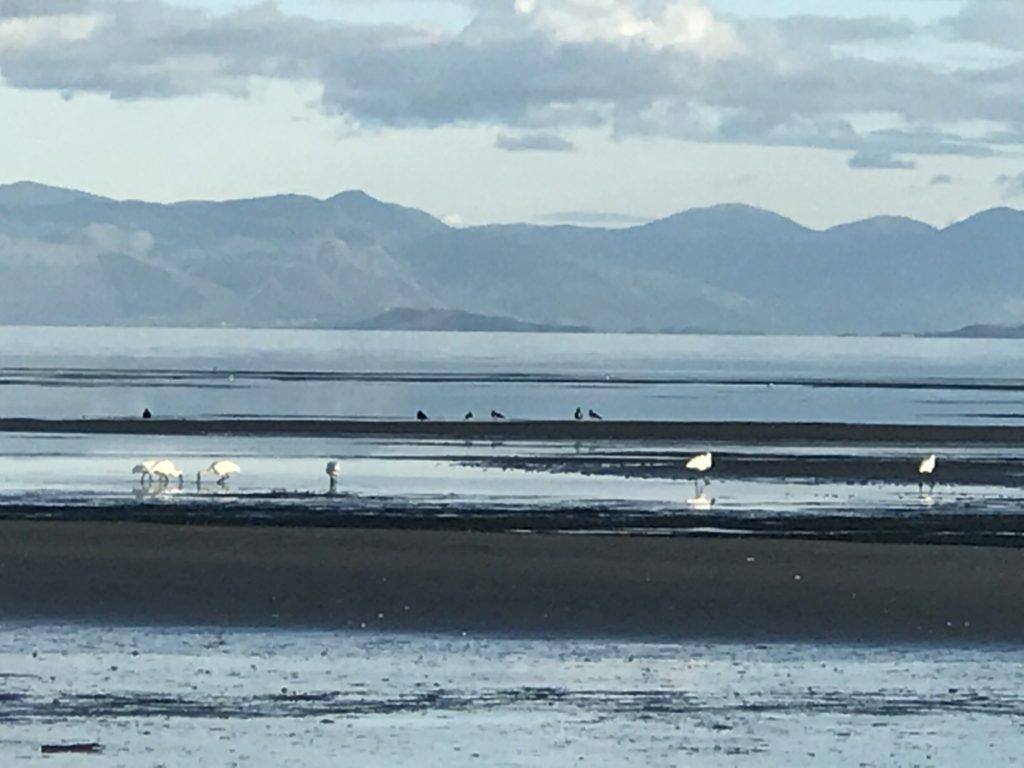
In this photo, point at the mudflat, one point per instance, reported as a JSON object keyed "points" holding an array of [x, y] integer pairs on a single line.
{"points": [[748, 589], [762, 433]]}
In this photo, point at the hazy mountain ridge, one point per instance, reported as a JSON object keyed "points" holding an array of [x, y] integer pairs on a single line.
{"points": [[71, 257]]}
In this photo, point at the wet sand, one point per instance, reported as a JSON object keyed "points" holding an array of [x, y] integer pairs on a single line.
{"points": [[455, 581], [764, 433]]}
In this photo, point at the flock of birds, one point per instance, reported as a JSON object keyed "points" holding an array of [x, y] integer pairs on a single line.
{"points": [[499, 416], [164, 470]]}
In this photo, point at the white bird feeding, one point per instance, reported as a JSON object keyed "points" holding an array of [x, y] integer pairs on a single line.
{"points": [[222, 468], [144, 470], [333, 469], [700, 463], [164, 469], [926, 467]]}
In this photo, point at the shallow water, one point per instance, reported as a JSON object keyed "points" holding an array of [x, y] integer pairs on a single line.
{"points": [[72, 372], [519, 486], [180, 696], [68, 372], [177, 696]]}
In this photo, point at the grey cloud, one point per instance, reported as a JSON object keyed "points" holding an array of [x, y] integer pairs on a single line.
{"points": [[879, 161], [544, 142], [941, 179], [795, 82], [844, 30], [1012, 184], [996, 22], [12, 9]]}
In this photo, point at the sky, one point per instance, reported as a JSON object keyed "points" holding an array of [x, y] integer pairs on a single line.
{"points": [[601, 112]]}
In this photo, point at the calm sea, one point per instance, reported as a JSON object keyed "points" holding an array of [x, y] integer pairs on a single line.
{"points": [[72, 372]]}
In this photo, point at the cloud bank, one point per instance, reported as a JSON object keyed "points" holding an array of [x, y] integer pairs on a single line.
{"points": [[533, 68]]}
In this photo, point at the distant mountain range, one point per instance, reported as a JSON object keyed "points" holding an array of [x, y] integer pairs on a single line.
{"points": [[68, 257]]}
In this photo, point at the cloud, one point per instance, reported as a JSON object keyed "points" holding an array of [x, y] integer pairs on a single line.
{"points": [[532, 68], [676, 24], [544, 142], [1012, 184], [996, 22], [866, 160], [940, 179]]}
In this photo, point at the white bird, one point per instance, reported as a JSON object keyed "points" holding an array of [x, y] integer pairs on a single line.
{"points": [[333, 470], [165, 470], [222, 468], [700, 463], [144, 470], [926, 467]]}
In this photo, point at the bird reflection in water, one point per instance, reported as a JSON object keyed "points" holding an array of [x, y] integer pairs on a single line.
{"points": [[700, 503]]}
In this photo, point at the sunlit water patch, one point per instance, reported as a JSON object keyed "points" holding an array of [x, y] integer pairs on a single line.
{"points": [[284, 698]]}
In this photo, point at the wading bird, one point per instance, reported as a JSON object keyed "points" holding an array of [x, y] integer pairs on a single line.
{"points": [[578, 415], [594, 414], [164, 469], [421, 416], [468, 416], [700, 463], [144, 470], [333, 470], [497, 415], [222, 468], [926, 467], [146, 414]]}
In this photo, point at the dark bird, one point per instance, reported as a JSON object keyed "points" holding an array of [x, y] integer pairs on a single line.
{"points": [[468, 416], [421, 416], [578, 415], [594, 414], [146, 414], [497, 415]]}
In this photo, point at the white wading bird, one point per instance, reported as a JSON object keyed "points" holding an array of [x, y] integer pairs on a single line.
{"points": [[165, 470], [926, 467], [223, 469], [333, 470], [144, 470], [700, 463]]}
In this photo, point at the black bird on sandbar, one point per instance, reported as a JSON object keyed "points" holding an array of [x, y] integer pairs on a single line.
{"points": [[594, 414], [578, 415], [468, 416], [146, 414], [421, 416], [497, 415]]}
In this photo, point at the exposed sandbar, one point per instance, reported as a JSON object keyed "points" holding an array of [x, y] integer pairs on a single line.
{"points": [[743, 589]]}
